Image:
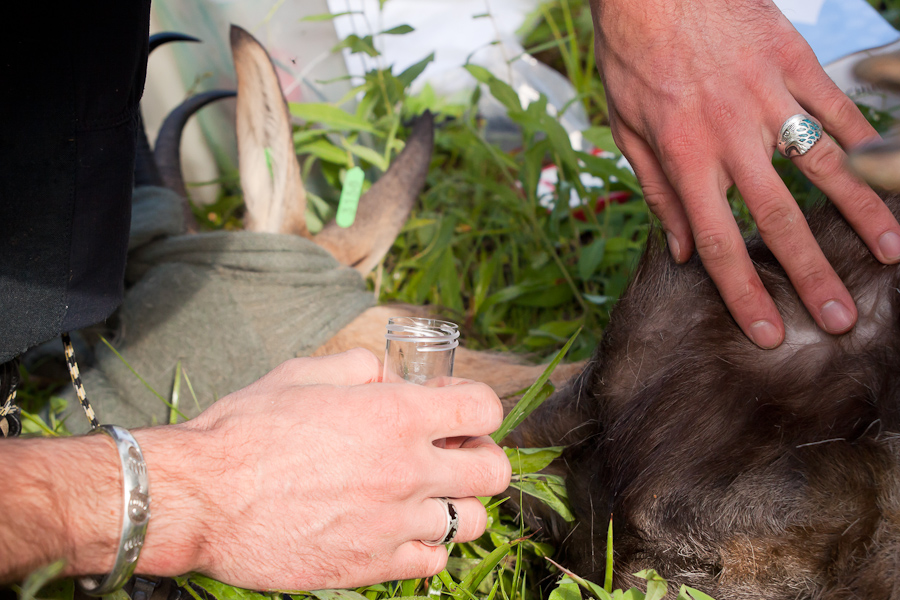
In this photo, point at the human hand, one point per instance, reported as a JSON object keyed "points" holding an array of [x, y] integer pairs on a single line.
{"points": [[698, 91], [315, 476]]}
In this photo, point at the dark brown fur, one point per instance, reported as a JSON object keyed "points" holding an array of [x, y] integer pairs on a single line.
{"points": [[743, 472]]}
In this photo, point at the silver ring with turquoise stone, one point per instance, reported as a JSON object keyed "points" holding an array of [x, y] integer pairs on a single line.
{"points": [[798, 135]]}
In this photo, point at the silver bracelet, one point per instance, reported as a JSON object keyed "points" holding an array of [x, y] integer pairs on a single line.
{"points": [[135, 514]]}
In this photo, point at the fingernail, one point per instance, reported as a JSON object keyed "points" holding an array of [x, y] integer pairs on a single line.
{"points": [[674, 248], [836, 317], [765, 335], [889, 243]]}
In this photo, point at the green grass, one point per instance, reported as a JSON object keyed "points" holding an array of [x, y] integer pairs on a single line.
{"points": [[481, 250]]}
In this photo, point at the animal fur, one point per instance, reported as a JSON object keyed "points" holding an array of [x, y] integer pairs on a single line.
{"points": [[743, 472]]}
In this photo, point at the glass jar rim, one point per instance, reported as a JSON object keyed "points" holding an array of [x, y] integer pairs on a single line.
{"points": [[430, 335]]}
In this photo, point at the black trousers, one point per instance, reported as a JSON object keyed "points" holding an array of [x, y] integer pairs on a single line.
{"points": [[71, 78]]}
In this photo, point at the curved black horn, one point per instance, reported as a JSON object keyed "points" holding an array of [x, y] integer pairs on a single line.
{"points": [[164, 37], [145, 170], [167, 149]]}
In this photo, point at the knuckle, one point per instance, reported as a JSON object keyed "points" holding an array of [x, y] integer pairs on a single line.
{"points": [[840, 108], [823, 163], [812, 276], [678, 142], [864, 206], [657, 197], [715, 247], [293, 366], [402, 478], [618, 138], [364, 358], [776, 218]]}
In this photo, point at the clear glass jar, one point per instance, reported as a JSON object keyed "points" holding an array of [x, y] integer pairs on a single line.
{"points": [[419, 350]]}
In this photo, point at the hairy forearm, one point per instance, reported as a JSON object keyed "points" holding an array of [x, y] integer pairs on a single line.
{"points": [[63, 500]]}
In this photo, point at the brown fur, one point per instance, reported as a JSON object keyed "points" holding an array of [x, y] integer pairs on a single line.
{"points": [[746, 473]]}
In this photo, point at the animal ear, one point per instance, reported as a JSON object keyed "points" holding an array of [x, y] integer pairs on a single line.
{"points": [[384, 209], [270, 174]]}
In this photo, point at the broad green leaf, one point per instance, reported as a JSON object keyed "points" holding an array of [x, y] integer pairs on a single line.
{"points": [[408, 587], [39, 578], [326, 151], [367, 154], [398, 30], [531, 460], [459, 567], [532, 166], [606, 168], [61, 589], [591, 257], [549, 489], [657, 587], [595, 590], [411, 73], [600, 137], [566, 591], [547, 296], [449, 290], [534, 397], [329, 116], [304, 137], [223, 591], [357, 45], [500, 90], [557, 330], [477, 575], [689, 593]]}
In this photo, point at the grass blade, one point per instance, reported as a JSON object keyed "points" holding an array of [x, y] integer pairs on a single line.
{"points": [[176, 395], [535, 395], [141, 379], [607, 583]]}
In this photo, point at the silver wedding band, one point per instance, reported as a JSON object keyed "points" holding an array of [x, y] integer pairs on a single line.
{"points": [[452, 523], [798, 134]]}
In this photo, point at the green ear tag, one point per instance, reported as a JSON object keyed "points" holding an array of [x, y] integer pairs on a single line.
{"points": [[353, 185]]}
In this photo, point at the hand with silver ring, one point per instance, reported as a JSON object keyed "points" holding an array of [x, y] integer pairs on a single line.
{"points": [[699, 92], [797, 135], [343, 467], [452, 523]]}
